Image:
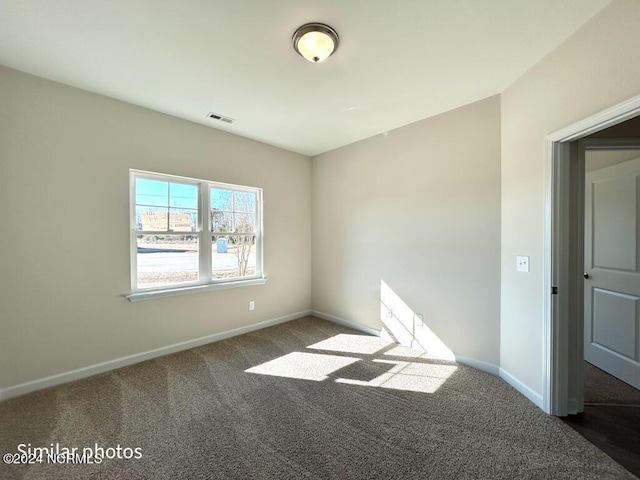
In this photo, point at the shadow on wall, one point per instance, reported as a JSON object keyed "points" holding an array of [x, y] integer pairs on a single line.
{"points": [[402, 325]]}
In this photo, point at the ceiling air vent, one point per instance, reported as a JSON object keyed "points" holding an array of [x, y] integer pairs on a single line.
{"points": [[222, 118]]}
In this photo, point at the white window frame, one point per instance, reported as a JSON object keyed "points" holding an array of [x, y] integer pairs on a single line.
{"points": [[203, 231]]}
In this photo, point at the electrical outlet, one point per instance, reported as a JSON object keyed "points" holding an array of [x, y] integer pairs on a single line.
{"points": [[419, 319], [252, 305], [522, 263]]}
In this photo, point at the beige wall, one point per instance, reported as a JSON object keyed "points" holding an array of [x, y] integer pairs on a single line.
{"points": [[65, 156], [594, 69], [419, 208], [597, 159]]}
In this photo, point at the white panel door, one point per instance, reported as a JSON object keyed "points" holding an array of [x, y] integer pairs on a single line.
{"points": [[612, 273]]}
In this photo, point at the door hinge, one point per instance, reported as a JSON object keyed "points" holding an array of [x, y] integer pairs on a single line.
{"points": [[554, 290]]}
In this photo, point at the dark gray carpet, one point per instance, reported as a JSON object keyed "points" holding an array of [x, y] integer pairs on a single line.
{"points": [[366, 410], [600, 387]]}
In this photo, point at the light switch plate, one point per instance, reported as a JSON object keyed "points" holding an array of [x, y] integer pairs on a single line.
{"points": [[522, 263]]}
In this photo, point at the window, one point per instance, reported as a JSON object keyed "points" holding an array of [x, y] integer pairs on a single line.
{"points": [[192, 233]]}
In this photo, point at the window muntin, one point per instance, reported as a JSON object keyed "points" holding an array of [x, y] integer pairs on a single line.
{"points": [[169, 220]]}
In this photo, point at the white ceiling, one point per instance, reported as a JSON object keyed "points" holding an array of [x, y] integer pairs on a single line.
{"points": [[398, 61]]}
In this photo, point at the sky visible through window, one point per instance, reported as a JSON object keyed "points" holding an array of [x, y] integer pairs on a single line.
{"points": [[165, 194], [161, 196]]}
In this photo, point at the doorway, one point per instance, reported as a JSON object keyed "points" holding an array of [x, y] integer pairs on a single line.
{"points": [[611, 269], [610, 415], [588, 316], [564, 255]]}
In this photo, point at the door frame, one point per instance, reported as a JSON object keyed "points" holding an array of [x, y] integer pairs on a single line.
{"points": [[562, 269]]}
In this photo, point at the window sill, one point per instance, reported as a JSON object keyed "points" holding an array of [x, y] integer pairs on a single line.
{"points": [[172, 292]]}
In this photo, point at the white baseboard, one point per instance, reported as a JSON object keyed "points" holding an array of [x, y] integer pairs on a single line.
{"points": [[346, 323], [535, 397], [472, 362], [479, 364], [53, 380]]}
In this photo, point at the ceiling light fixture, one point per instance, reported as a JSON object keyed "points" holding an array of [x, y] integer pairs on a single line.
{"points": [[315, 41]]}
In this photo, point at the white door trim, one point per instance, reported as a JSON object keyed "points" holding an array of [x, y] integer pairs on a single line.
{"points": [[556, 361]]}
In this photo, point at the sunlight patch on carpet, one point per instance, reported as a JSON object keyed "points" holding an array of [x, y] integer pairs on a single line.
{"points": [[407, 352], [409, 376], [304, 366], [347, 343]]}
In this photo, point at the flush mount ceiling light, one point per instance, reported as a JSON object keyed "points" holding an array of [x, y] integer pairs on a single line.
{"points": [[315, 41]]}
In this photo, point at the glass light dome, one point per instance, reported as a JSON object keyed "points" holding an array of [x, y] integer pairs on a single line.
{"points": [[315, 41]]}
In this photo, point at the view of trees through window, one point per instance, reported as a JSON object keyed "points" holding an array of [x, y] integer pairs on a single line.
{"points": [[170, 233], [233, 219]]}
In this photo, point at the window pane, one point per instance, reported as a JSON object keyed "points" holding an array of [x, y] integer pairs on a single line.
{"points": [[245, 202], [221, 199], [182, 195], [183, 220], [245, 223], [233, 256], [221, 221], [152, 219], [152, 192], [167, 260]]}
